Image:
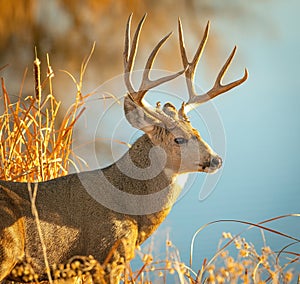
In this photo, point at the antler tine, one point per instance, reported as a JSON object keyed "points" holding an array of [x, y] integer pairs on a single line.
{"points": [[218, 87], [147, 83], [130, 52], [129, 56], [190, 67]]}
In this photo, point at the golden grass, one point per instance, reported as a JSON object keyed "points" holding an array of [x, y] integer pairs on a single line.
{"points": [[34, 145], [236, 261]]}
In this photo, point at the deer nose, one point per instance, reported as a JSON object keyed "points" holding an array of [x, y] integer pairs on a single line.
{"points": [[216, 162]]}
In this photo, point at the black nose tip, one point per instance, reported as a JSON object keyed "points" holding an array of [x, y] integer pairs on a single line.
{"points": [[216, 162]]}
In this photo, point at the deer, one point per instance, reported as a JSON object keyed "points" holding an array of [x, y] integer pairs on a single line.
{"points": [[72, 220]]}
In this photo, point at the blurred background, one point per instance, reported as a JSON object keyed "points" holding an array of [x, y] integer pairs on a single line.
{"points": [[261, 122]]}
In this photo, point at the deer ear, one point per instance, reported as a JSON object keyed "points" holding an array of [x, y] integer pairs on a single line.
{"points": [[138, 116]]}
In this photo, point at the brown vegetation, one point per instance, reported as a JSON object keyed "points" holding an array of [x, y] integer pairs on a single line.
{"points": [[33, 147]]}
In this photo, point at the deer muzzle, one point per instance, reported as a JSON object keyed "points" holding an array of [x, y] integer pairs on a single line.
{"points": [[212, 165], [215, 163]]}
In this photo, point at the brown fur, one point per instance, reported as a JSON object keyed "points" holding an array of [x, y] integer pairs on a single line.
{"points": [[73, 223]]}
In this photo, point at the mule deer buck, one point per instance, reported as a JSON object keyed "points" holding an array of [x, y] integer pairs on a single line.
{"points": [[72, 221]]}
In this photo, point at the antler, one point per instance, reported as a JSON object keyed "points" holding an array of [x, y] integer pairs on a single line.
{"points": [[190, 67], [129, 57]]}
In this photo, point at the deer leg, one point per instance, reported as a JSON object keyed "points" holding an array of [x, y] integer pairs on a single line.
{"points": [[11, 248], [11, 235], [123, 252]]}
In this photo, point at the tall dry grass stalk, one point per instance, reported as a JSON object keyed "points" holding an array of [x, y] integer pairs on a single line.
{"points": [[34, 145], [32, 195]]}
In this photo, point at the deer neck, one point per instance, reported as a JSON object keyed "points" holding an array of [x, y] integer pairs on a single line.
{"points": [[141, 173], [148, 189], [141, 170]]}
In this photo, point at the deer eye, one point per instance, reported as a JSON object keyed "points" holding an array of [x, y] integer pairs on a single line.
{"points": [[180, 140]]}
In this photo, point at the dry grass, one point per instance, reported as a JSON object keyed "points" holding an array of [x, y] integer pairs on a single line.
{"points": [[32, 146], [251, 265], [236, 261]]}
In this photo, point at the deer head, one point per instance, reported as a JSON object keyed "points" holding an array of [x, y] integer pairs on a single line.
{"points": [[168, 127]]}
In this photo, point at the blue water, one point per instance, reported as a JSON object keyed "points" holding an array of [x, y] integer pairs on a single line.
{"points": [[261, 176]]}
